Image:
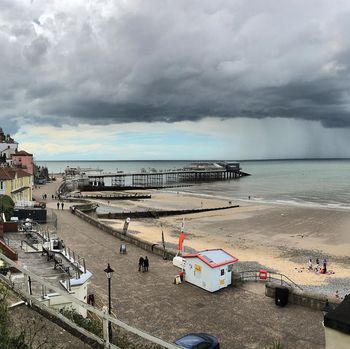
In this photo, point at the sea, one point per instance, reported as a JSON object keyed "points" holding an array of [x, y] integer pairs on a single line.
{"points": [[319, 183]]}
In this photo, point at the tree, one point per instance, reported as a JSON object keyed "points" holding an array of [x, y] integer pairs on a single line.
{"points": [[6, 206]]}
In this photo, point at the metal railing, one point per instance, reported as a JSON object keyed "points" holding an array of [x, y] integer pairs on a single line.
{"points": [[27, 295], [254, 275]]}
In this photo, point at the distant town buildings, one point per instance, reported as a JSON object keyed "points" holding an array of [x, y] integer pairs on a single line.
{"points": [[16, 170]]}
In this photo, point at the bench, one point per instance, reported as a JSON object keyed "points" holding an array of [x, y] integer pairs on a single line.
{"points": [[50, 255], [59, 264]]}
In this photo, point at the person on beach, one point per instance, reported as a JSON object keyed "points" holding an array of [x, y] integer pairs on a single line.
{"points": [[317, 268], [141, 261], [310, 264], [324, 262], [145, 264], [62, 205], [58, 206]]}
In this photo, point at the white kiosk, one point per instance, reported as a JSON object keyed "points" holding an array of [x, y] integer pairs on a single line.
{"points": [[209, 269]]}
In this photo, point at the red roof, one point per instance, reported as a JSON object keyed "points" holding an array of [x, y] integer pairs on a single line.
{"points": [[5, 174], [10, 173], [22, 153], [214, 258]]}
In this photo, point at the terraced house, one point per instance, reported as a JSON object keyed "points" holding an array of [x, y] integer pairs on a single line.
{"points": [[16, 183]]}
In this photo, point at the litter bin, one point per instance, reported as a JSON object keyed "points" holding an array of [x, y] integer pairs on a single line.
{"points": [[281, 296]]}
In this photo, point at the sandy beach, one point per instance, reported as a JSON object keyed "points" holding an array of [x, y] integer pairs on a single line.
{"points": [[278, 237]]}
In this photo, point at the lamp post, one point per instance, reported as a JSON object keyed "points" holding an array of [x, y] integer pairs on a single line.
{"points": [[109, 273]]}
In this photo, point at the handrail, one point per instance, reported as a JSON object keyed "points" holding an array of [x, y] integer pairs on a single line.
{"points": [[77, 302], [281, 277]]}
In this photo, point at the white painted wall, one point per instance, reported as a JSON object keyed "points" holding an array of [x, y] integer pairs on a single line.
{"points": [[2, 187], [208, 278]]}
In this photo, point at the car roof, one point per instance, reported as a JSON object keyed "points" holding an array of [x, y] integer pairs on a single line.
{"points": [[192, 339]]}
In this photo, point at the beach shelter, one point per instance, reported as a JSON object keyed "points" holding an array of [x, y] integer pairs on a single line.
{"points": [[337, 326], [209, 269]]}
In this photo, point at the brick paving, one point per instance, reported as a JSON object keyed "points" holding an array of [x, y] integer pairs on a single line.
{"points": [[240, 318]]}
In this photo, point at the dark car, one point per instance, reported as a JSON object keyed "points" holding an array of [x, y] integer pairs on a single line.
{"points": [[198, 341]]}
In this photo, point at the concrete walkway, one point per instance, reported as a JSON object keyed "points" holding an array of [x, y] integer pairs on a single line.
{"points": [[150, 301]]}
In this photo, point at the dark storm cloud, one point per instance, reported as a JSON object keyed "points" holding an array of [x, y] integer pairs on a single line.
{"points": [[116, 62]]}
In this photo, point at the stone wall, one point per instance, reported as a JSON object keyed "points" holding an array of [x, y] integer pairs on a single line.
{"points": [[307, 299], [118, 233]]}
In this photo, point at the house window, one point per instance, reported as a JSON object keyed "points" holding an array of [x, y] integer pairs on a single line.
{"points": [[1, 185], [222, 272]]}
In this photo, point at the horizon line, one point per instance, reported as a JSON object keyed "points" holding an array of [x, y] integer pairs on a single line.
{"points": [[148, 160]]}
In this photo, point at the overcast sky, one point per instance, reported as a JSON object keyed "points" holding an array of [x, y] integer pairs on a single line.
{"points": [[180, 79]]}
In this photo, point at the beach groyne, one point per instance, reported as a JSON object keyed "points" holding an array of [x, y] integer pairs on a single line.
{"points": [[159, 213], [100, 187], [135, 196]]}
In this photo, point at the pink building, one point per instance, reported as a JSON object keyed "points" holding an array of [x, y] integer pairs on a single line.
{"points": [[23, 160]]}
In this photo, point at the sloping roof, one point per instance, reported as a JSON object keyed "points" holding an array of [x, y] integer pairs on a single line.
{"points": [[5, 174], [21, 173], [214, 258], [339, 318], [10, 173], [22, 153]]}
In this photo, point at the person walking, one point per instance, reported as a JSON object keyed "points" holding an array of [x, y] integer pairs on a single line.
{"points": [[141, 260], [146, 264], [58, 205], [62, 205]]}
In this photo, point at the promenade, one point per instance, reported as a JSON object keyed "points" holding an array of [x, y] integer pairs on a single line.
{"points": [[239, 317]]}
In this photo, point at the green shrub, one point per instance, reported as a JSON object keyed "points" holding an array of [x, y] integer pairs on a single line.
{"points": [[88, 324], [6, 206]]}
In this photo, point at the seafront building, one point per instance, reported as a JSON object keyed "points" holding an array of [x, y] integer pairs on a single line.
{"points": [[8, 146], [16, 171], [23, 160], [16, 183]]}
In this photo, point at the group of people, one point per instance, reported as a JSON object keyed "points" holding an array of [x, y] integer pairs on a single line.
{"points": [[317, 267], [44, 196], [143, 264], [58, 205]]}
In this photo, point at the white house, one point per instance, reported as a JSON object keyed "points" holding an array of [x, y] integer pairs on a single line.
{"points": [[209, 269], [7, 145]]}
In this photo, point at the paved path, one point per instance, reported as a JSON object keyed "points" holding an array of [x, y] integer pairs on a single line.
{"points": [[150, 301]]}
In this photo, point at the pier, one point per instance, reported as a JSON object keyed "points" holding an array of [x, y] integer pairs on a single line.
{"points": [[198, 172]]}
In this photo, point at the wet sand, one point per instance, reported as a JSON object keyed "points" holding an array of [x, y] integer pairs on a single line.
{"points": [[279, 237]]}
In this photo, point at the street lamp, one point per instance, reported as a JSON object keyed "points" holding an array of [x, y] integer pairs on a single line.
{"points": [[109, 273]]}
